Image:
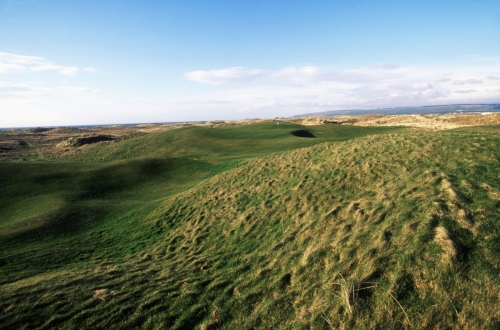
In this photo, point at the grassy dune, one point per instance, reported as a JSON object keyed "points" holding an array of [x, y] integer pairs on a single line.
{"points": [[220, 144], [245, 227]]}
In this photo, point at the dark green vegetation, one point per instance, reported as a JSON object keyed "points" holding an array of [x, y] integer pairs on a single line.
{"points": [[251, 226]]}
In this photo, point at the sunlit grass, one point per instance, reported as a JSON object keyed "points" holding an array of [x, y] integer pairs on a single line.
{"points": [[381, 231]]}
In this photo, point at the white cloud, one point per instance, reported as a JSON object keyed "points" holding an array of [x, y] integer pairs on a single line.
{"points": [[225, 76], [20, 59], [7, 88], [473, 81], [433, 94], [90, 69], [265, 105], [385, 66], [13, 63], [460, 82], [7, 68], [64, 70], [305, 89], [422, 86], [78, 89], [411, 87], [303, 75], [294, 76], [250, 92], [465, 91], [312, 74]]}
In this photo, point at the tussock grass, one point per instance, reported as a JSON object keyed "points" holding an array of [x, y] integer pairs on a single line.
{"points": [[443, 239], [350, 291], [447, 187]]}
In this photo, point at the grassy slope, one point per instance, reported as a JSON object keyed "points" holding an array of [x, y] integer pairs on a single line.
{"points": [[410, 221], [222, 143]]}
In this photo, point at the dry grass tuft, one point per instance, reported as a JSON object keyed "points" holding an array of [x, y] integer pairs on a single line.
{"points": [[443, 239], [486, 186], [446, 185], [494, 195], [465, 220], [307, 253], [103, 294], [350, 290]]}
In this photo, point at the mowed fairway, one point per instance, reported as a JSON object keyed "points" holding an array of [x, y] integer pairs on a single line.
{"points": [[251, 226]]}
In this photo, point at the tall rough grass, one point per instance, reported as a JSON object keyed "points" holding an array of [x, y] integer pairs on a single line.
{"points": [[261, 245]]}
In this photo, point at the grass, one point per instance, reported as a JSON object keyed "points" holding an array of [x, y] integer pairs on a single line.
{"points": [[266, 234], [221, 144], [350, 290]]}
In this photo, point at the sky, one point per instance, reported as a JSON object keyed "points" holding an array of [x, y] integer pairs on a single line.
{"points": [[113, 62]]}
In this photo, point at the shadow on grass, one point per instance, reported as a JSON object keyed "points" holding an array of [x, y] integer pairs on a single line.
{"points": [[302, 133]]}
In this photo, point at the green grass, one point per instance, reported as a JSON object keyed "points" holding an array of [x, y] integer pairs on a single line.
{"points": [[224, 143], [244, 227]]}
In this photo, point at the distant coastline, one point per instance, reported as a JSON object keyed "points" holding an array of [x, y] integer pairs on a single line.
{"points": [[105, 125], [422, 110]]}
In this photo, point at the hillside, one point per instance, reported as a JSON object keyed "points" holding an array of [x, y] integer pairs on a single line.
{"points": [[243, 227]]}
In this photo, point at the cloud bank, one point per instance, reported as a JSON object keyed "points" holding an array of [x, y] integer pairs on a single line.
{"points": [[235, 92], [293, 90]]}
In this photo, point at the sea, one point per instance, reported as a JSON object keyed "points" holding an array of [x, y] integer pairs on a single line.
{"points": [[104, 125]]}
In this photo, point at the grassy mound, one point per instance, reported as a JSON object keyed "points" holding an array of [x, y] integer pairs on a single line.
{"points": [[383, 231], [6, 145], [223, 143]]}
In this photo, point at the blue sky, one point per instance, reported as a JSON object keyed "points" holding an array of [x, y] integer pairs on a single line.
{"points": [[102, 62]]}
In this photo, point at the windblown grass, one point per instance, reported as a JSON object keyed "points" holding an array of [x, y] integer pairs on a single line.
{"points": [[343, 234]]}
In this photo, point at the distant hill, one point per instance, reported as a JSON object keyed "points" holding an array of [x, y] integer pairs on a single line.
{"points": [[430, 109]]}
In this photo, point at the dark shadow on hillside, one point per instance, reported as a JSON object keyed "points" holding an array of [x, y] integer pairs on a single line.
{"points": [[12, 145], [69, 219], [122, 177], [302, 133], [77, 142]]}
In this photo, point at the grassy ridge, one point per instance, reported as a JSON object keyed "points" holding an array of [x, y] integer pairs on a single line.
{"points": [[299, 232], [385, 231], [75, 206], [224, 143]]}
